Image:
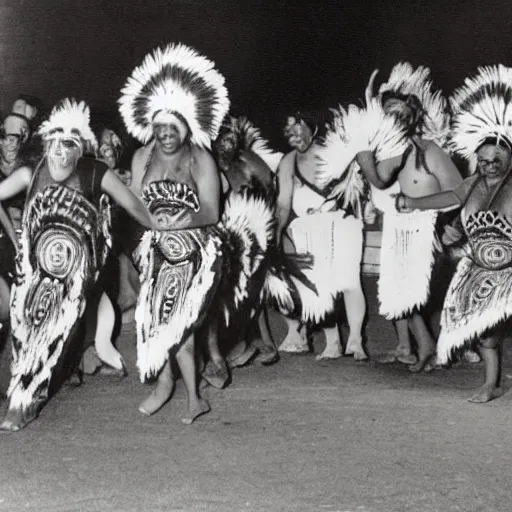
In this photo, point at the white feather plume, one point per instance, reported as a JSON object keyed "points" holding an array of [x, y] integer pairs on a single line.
{"points": [[352, 131], [175, 79], [67, 118], [482, 108], [404, 79]]}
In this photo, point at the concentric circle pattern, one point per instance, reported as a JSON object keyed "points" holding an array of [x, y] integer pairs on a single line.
{"points": [[58, 253], [493, 254]]}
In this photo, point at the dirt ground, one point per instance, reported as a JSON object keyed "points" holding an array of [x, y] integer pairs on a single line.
{"points": [[297, 436]]}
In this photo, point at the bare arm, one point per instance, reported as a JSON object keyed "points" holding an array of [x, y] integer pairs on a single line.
{"points": [[440, 201], [125, 198], [382, 174], [17, 182], [445, 200], [284, 199]]}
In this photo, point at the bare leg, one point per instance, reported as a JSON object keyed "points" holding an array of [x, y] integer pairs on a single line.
{"points": [[355, 306], [268, 353], [127, 279], [216, 371], [162, 392], [5, 295], [490, 350], [295, 341], [187, 363], [426, 344], [103, 339], [403, 352], [333, 349]]}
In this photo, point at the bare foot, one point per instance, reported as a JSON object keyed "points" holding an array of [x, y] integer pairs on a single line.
{"points": [[159, 396], [398, 355], [425, 363], [330, 352], [216, 374], [268, 357], [355, 348], [486, 393], [194, 411], [240, 356], [294, 343], [470, 356]]}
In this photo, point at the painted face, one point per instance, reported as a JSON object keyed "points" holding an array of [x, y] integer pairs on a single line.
{"points": [[400, 110], [14, 132], [170, 132], [493, 160], [300, 137], [107, 154], [62, 157]]}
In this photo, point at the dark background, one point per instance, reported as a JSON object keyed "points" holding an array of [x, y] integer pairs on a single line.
{"points": [[277, 56]]}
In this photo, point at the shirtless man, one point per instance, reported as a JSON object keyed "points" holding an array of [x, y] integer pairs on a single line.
{"points": [[176, 177], [424, 168], [322, 229], [477, 307]]}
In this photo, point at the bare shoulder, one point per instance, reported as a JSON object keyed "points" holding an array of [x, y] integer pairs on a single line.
{"points": [[286, 164], [434, 150]]}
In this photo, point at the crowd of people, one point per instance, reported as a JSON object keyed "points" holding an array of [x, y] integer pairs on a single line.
{"points": [[210, 228]]}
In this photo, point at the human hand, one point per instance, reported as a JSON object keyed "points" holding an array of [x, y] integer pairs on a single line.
{"points": [[401, 203], [451, 235]]}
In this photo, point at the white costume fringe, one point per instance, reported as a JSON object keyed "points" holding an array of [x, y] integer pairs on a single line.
{"points": [[408, 250], [154, 344], [336, 243]]}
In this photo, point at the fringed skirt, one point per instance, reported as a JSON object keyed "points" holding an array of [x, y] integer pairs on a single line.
{"points": [[480, 294], [408, 252], [180, 272], [336, 244]]}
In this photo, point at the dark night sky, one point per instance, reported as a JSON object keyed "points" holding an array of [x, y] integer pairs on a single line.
{"points": [[277, 56]]}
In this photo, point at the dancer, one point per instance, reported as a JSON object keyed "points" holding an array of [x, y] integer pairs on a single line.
{"points": [[174, 103], [478, 304], [64, 243], [409, 242], [248, 164], [319, 227]]}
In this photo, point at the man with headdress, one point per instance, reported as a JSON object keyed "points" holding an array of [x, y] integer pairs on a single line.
{"points": [[64, 243], [319, 227], [409, 242], [478, 305], [174, 103], [248, 166]]}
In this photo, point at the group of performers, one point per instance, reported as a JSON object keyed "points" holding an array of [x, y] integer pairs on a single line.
{"points": [[214, 228]]}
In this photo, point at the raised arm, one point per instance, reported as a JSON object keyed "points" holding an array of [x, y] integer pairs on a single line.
{"points": [[284, 199], [382, 174], [125, 198]]}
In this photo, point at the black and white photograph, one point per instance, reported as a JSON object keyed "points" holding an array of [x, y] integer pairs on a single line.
{"points": [[255, 256]]}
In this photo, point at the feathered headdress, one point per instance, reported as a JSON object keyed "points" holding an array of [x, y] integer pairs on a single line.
{"points": [[482, 109], [175, 80], [249, 138], [69, 120], [405, 81], [352, 131]]}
